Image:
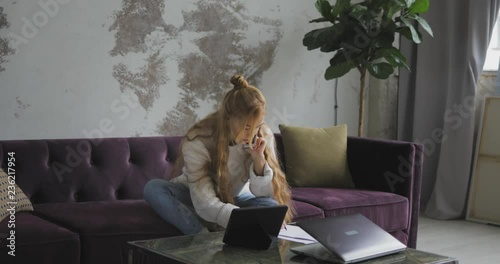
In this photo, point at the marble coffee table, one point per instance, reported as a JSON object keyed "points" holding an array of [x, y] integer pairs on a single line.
{"points": [[209, 248]]}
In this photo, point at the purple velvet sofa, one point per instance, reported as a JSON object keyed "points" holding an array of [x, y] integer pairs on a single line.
{"points": [[87, 194]]}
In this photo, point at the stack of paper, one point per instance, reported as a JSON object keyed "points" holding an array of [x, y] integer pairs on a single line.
{"points": [[297, 234]]}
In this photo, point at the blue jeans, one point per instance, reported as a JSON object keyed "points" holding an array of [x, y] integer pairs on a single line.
{"points": [[172, 202]]}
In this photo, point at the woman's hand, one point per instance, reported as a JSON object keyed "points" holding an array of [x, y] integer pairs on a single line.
{"points": [[257, 153], [258, 148]]}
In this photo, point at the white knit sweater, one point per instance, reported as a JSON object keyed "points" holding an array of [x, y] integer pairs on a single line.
{"points": [[243, 179]]}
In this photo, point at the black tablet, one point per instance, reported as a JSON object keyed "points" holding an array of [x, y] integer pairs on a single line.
{"points": [[255, 227]]}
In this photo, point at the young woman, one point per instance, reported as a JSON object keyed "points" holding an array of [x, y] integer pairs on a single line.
{"points": [[221, 168]]}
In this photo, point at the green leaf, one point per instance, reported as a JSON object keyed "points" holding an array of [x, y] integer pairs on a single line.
{"points": [[357, 8], [393, 56], [419, 7], [338, 70], [409, 3], [404, 31], [388, 27], [392, 7], [399, 3], [374, 4], [383, 39], [414, 34], [391, 11], [315, 38], [331, 46], [340, 7], [424, 24], [309, 41], [380, 70], [340, 57], [317, 20], [352, 53], [324, 9], [332, 38], [328, 38], [361, 14]]}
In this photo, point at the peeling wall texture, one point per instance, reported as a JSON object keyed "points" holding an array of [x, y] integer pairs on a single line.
{"points": [[5, 49], [121, 68]]}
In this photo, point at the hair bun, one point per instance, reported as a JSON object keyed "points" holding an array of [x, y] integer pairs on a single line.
{"points": [[239, 81]]}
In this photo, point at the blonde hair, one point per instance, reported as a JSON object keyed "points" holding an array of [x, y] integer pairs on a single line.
{"points": [[243, 102]]}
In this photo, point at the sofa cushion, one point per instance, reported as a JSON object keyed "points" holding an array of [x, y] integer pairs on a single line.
{"points": [[388, 210], [316, 157], [38, 241], [306, 211], [12, 198], [105, 226]]}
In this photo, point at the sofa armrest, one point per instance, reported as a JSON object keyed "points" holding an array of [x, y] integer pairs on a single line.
{"points": [[383, 165], [389, 166]]}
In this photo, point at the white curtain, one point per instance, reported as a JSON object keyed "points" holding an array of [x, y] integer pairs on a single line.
{"points": [[437, 99]]}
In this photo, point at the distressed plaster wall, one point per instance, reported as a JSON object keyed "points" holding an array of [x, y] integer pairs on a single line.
{"points": [[138, 68]]}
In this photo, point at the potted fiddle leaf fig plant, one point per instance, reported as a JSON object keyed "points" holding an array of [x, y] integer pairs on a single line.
{"points": [[361, 36]]}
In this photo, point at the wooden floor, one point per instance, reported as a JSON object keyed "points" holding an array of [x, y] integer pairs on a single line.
{"points": [[469, 242]]}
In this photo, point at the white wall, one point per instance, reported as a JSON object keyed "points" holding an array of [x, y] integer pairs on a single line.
{"points": [[59, 82]]}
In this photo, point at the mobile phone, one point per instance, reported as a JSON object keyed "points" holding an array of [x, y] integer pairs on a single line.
{"points": [[247, 146]]}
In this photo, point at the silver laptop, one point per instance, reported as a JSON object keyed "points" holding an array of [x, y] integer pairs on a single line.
{"points": [[347, 239]]}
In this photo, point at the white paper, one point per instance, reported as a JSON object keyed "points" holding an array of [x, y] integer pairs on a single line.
{"points": [[297, 234]]}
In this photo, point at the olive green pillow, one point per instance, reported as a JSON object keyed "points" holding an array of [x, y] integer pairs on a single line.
{"points": [[12, 198], [316, 157]]}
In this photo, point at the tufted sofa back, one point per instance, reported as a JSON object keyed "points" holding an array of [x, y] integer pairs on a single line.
{"points": [[81, 170]]}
